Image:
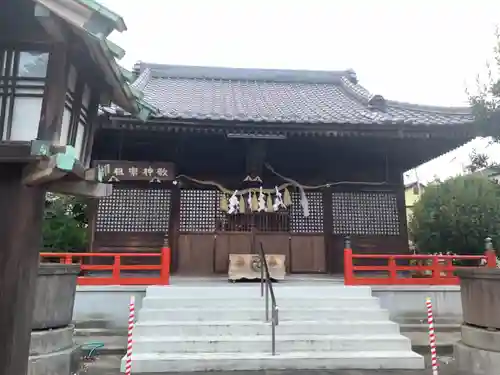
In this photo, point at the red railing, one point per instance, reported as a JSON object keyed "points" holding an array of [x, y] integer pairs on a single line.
{"points": [[116, 268], [428, 270]]}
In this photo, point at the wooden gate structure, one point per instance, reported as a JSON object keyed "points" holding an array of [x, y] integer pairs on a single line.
{"points": [[333, 150]]}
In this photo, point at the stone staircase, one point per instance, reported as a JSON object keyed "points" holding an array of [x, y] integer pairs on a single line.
{"points": [[222, 328]]}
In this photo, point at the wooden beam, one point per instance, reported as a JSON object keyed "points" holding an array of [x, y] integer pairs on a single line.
{"points": [[88, 189], [76, 108], [51, 24], [92, 126], [20, 241], [42, 172], [55, 95], [15, 152]]}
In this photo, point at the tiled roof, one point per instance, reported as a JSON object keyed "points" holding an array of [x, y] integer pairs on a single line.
{"points": [[277, 96]]}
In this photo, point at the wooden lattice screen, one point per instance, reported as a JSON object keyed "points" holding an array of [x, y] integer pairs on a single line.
{"points": [[134, 210], [367, 213], [198, 210], [314, 222]]}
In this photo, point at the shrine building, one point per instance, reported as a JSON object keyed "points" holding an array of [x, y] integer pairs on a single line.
{"points": [[295, 160]]}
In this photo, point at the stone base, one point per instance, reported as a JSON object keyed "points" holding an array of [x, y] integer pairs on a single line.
{"points": [[52, 352], [481, 338], [472, 361]]}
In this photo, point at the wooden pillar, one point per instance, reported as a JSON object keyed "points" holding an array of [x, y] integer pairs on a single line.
{"points": [[328, 230], [174, 226], [20, 241], [403, 225]]}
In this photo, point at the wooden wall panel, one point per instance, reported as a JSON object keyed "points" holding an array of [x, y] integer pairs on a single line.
{"points": [[366, 245], [308, 254], [196, 254], [379, 244], [127, 241], [230, 243], [275, 243]]}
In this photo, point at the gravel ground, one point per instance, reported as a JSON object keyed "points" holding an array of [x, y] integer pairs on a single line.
{"points": [[110, 365]]}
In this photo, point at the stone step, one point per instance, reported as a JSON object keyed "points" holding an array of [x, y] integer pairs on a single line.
{"points": [[240, 328], [178, 362], [239, 291], [284, 344], [307, 301], [258, 314]]}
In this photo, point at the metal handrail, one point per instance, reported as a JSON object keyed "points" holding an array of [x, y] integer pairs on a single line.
{"points": [[265, 278]]}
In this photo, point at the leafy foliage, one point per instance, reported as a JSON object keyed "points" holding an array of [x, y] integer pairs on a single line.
{"points": [[478, 161], [65, 223], [457, 215], [485, 101]]}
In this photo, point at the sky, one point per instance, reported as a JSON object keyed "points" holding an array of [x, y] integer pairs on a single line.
{"points": [[418, 51]]}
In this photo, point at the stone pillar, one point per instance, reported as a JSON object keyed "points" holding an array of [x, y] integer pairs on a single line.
{"points": [[478, 352], [52, 347]]}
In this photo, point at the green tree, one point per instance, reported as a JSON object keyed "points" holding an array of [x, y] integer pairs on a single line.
{"points": [[485, 101], [457, 215], [65, 224], [478, 161]]}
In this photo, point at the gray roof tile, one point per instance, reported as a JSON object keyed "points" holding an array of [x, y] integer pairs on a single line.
{"points": [[278, 96]]}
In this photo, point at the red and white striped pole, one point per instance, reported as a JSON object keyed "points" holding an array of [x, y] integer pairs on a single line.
{"points": [[432, 337], [131, 319]]}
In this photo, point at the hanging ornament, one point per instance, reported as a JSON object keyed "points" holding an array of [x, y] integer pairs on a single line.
{"points": [[255, 203], [304, 202], [242, 205], [233, 203], [249, 201], [269, 203], [287, 199], [223, 203], [262, 201], [278, 201]]}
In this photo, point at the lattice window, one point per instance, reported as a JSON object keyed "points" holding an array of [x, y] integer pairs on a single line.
{"points": [[220, 216], [314, 222], [371, 213], [198, 210], [134, 210]]}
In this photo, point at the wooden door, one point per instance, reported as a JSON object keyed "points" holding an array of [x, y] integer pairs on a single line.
{"points": [[196, 254], [230, 243], [307, 254], [275, 243]]}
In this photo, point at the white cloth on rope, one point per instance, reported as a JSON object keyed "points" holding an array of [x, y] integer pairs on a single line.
{"points": [[250, 201], [262, 201], [234, 203], [278, 201], [303, 199]]}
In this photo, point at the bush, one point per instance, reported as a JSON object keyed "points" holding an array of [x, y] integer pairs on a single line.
{"points": [[65, 224], [457, 215]]}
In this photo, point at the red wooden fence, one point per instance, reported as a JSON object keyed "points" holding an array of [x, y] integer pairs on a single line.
{"points": [[440, 271], [428, 270], [116, 277]]}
